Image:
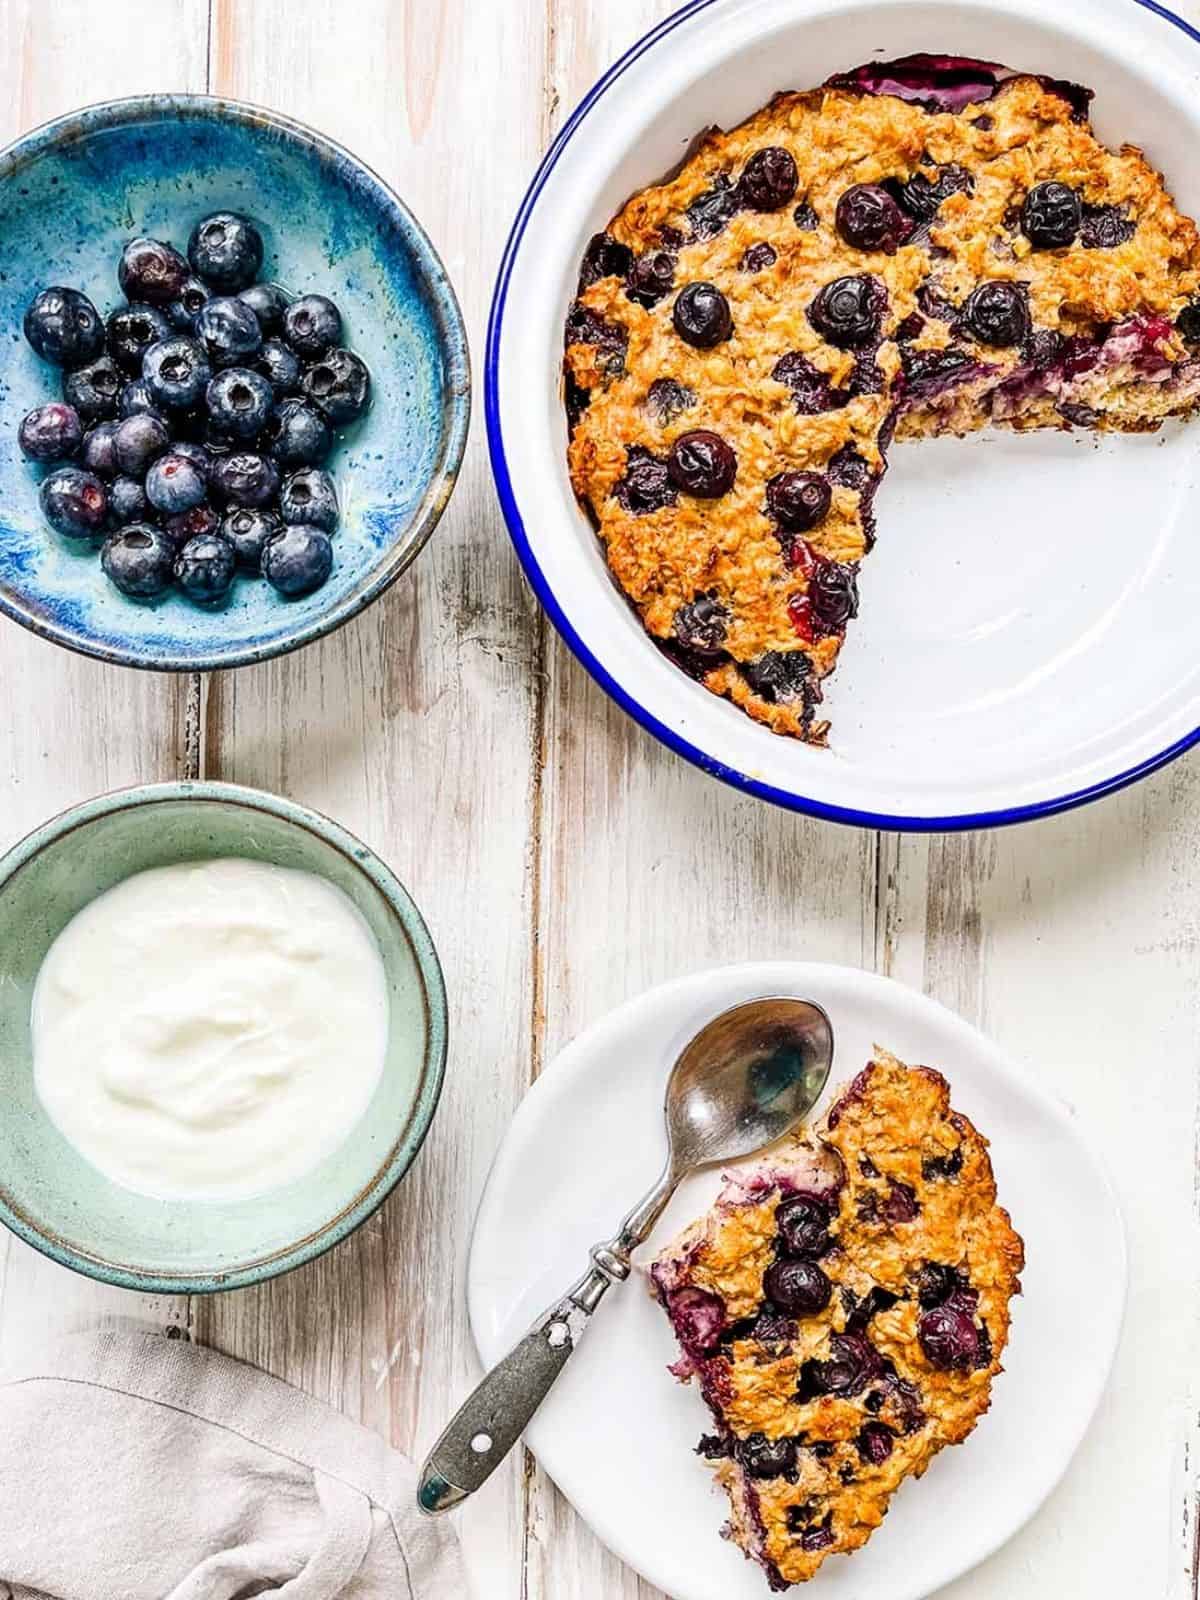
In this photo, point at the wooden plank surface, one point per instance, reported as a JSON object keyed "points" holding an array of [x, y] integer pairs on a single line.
{"points": [[565, 862], [73, 728]]}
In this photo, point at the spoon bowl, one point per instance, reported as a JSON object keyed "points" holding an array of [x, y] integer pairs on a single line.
{"points": [[745, 1080]]}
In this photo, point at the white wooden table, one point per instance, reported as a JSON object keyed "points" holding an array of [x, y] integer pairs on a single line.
{"points": [[565, 862]]}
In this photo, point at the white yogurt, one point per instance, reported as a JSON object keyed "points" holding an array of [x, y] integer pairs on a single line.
{"points": [[210, 1030]]}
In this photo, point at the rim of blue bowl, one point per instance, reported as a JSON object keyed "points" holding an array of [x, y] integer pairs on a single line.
{"points": [[409, 1139], [452, 339], [788, 799]]}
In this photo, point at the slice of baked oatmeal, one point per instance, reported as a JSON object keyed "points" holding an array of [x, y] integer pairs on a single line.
{"points": [[843, 1308], [919, 248]]}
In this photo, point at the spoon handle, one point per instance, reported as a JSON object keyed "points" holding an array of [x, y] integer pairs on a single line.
{"points": [[493, 1417]]}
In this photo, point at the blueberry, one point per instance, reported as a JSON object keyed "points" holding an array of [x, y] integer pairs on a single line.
{"points": [[310, 497], [666, 398], [799, 500], [138, 441], [818, 1538], [849, 311], [126, 502], [197, 523], [339, 385], [869, 218], [239, 402], [152, 271], [922, 197], [297, 560], [701, 315], [195, 453], [1105, 227], [803, 1223], [610, 339], [759, 257], [646, 486], [853, 1362], [798, 1288], [193, 298], [131, 332], [176, 372], [64, 327], [248, 531], [229, 332], [769, 180], [280, 366], [605, 257], [205, 567], [942, 1168], [650, 277], [778, 676], [226, 250], [99, 449], [74, 502], [139, 560], [949, 1338], [1051, 216], [701, 624], [997, 314], [174, 484], [136, 397], [711, 212], [268, 303], [311, 325], [298, 435], [701, 463], [698, 1318], [935, 1283], [805, 218], [874, 1443], [244, 479], [833, 596], [93, 390], [811, 390], [766, 1458], [51, 433]]}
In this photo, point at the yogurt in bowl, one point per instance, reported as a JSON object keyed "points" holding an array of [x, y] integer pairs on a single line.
{"points": [[210, 1030], [152, 1137]]}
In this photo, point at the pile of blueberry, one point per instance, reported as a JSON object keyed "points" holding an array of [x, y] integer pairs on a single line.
{"points": [[194, 422]]}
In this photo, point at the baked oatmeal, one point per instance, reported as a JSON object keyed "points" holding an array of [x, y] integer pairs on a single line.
{"points": [[918, 248], [843, 1308]]}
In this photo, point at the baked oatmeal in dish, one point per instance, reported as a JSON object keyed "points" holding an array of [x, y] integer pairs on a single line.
{"points": [[843, 1308], [919, 248]]}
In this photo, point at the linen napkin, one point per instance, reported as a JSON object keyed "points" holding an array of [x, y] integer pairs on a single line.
{"points": [[136, 1467]]}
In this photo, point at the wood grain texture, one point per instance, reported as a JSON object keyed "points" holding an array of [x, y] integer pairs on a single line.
{"points": [[564, 861], [72, 727], [413, 725]]}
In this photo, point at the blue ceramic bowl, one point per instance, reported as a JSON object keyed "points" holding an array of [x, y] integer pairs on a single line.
{"points": [[54, 1199], [70, 194]]}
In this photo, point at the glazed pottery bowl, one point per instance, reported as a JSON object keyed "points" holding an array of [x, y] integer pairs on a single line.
{"points": [[55, 1200], [71, 193], [1025, 639]]}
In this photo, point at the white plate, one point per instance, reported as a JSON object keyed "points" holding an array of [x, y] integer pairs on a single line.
{"points": [[1026, 639], [617, 1433]]}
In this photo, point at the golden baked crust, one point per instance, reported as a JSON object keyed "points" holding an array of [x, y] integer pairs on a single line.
{"points": [[823, 1413], [1110, 354]]}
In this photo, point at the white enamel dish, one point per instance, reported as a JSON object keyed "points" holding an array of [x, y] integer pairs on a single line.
{"points": [[1026, 635], [617, 1432]]}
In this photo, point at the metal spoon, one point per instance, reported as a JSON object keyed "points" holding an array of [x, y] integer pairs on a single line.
{"points": [[744, 1081]]}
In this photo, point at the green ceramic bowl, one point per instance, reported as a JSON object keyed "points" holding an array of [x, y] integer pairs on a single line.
{"points": [[63, 1206]]}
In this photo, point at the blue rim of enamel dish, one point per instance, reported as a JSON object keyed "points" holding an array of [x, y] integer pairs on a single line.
{"points": [[1001, 817]]}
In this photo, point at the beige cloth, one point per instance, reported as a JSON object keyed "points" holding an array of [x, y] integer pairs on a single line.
{"points": [[136, 1467]]}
